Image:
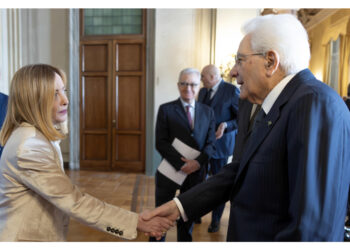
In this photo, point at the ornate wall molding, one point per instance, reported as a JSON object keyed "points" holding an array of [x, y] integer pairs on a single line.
{"points": [[74, 121], [10, 45]]}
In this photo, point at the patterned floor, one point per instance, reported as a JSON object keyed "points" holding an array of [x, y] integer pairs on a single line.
{"points": [[134, 192]]}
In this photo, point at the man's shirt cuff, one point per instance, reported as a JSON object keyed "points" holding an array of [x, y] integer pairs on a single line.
{"points": [[181, 209]]}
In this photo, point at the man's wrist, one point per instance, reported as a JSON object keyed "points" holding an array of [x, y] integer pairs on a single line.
{"points": [[181, 209]]}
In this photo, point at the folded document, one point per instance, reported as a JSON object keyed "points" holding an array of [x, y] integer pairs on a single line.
{"points": [[169, 171]]}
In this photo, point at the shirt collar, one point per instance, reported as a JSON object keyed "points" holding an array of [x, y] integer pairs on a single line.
{"points": [[184, 104], [274, 93], [216, 86]]}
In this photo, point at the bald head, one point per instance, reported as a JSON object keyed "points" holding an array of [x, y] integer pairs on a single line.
{"points": [[210, 76]]}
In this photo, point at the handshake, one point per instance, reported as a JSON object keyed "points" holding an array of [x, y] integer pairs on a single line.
{"points": [[157, 222]]}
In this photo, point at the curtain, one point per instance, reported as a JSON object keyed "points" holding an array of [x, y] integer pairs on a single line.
{"points": [[326, 64], [344, 64], [338, 27]]}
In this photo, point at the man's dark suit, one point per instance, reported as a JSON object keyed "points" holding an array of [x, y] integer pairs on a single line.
{"points": [[225, 106], [292, 181], [243, 120], [172, 123], [3, 110]]}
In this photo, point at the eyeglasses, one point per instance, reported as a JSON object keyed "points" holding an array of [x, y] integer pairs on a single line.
{"points": [[185, 84], [239, 58]]}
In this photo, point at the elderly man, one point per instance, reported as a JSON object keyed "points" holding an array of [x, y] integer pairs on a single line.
{"points": [[193, 123], [223, 98], [292, 180]]}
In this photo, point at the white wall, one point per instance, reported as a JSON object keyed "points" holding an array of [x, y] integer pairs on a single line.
{"points": [[182, 41], [228, 32], [10, 46], [45, 39]]}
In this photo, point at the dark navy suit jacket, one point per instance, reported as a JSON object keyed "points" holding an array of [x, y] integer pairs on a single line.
{"points": [[244, 112], [3, 110], [225, 106], [292, 181], [172, 123]]}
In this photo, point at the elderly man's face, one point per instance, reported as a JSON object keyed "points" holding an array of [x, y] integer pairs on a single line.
{"points": [[189, 87], [207, 78], [249, 71]]}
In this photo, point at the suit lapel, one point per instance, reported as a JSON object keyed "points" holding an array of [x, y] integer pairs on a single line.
{"points": [[246, 112], [181, 112], [198, 117], [218, 95], [264, 128], [202, 94]]}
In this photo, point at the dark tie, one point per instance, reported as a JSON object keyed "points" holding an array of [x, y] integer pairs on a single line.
{"points": [[258, 119], [207, 97], [252, 120], [189, 117]]}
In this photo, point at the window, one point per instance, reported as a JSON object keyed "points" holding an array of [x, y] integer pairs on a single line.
{"points": [[112, 21]]}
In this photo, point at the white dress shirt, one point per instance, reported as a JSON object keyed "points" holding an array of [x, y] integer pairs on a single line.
{"points": [[214, 89]]}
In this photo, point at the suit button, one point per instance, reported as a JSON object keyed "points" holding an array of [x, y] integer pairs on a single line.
{"points": [[120, 233], [108, 229], [112, 230], [117, 231]]}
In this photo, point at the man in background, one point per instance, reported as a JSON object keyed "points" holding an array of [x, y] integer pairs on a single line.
{"points": [[192, 123], [223, 98]]}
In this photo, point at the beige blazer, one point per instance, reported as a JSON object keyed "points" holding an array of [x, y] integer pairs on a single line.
{"points": [[37, 198]]}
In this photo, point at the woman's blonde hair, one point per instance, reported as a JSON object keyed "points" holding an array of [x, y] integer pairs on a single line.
{"points": [[31, 99]]}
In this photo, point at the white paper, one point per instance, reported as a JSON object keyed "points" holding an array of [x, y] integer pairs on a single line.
{"points": [[169, 171]]}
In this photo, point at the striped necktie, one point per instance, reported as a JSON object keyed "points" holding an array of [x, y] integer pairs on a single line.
{"points": [[189, 117]]}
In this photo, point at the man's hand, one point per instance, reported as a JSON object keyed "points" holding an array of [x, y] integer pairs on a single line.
{"points": [[168, 210], [220, 131], [190, 166], [155, 227]]}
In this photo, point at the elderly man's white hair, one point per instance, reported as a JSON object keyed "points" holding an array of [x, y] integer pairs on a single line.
{"points": [[190, 71], [284, 34]]}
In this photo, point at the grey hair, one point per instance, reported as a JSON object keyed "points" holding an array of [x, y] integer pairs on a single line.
{"points": [[284, 34], [190, 71]]}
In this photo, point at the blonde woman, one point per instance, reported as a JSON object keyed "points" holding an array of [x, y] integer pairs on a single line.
{"points": [[36, 197]]}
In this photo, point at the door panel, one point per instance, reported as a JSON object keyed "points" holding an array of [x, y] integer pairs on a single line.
{"points": [[99, 151], [95, 102], [128, 148], [95, 58], [129, 102], [129, 110], [129, 57]]}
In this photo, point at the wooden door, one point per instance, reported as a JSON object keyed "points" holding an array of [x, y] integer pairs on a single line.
{"points": [[96, 99], [128, 111], [112, 102]]}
